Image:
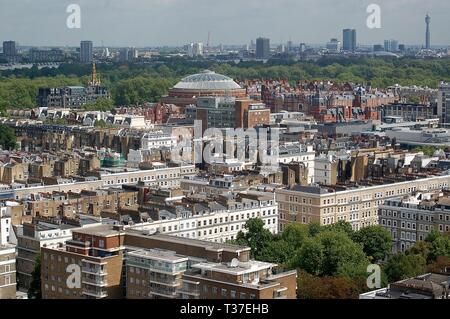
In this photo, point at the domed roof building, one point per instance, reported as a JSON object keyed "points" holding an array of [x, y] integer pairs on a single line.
{"points": [[206, 83]]}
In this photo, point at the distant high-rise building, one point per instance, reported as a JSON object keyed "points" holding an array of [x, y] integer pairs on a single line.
{"points": [[334, 45], [391, 45], [302, 47], [9, 49], [86, 52], [198, 49], [428, 34], [106, 53], [349, 40], [194, 49], [290, 46], [124, 55], [262, 48], [128, 54], [443, 107]]}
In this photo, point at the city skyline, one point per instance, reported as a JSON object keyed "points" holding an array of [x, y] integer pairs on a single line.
{"points": [[106, 21]]}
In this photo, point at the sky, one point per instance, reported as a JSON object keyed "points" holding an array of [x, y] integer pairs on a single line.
{"points": [[143, 23]]}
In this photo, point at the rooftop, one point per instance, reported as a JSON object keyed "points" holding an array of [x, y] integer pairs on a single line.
{"points": [[158, 254], [207, 80], [100, 230]]}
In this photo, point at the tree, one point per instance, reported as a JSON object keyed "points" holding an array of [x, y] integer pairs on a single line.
{"points": [[277, 251], [420, 248], [376, 241], [256, 236], [8, 139], [310, 257], [340, 251], [295, 234], [439, 247], [342, 226], [403, 266], [34, 292], [314, 229], [439, 265], [328, 287], [102, 104]]}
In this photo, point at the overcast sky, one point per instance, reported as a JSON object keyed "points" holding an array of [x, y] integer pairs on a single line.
{"points": [[176, 22]]}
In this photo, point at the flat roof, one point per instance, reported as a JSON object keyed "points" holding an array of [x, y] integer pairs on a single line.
{"points": [[159, 254], [100, 230], [189, 241], [240, 268]]}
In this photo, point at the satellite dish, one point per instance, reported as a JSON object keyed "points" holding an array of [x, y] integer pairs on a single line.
{"points": [[234, 263]]}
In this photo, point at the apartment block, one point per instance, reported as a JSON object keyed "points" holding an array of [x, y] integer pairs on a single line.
{"points": [[86, 202], [219, 222], [88, 266], [251, 113], [31, 237], [412, 218], [238, 280], [356, 204], [154, 274], [164, 176], [7, 271], [117, 262]]}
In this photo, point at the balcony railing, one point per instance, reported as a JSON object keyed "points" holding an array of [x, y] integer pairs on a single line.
{"points": [[96, 293], [163, 292], [165, 281], [94, 282]]}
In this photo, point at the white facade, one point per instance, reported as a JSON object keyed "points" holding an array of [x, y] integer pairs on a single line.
{"points": [[5, 226], [218, 226], [7, 266], [135, 157], [126, 121], [194, 49], [155, 140], [306, 155], [323, 170], [7, 235], [164, 177]]}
